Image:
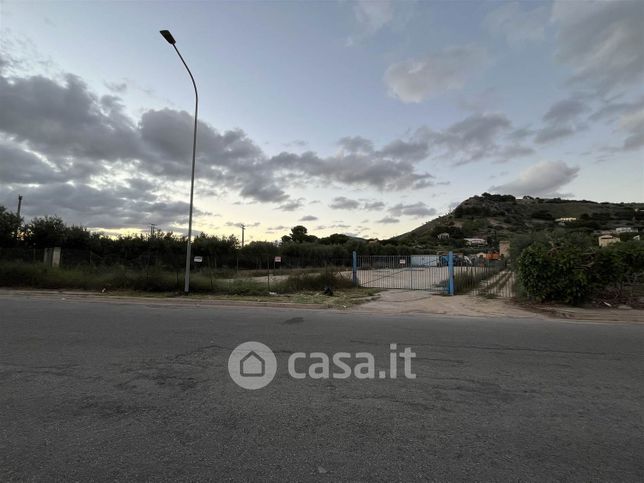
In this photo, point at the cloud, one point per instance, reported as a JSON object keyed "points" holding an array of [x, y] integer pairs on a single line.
{"points": [[378, 169], [356, 144], [416, 80], [633, 124], [298, 143], [610, 111], [245, 225], [601, 42], [66, 121], [388, 220], [509, 153], [373, 205], [308, 218], [417, 210], [117, 206], [335, 225], [80, 136], [564, 111], [292, 205], [552, 133], [373, 16], [629, 119], [562, 120], [344, 203], [542, 179], [517, 23], [22, 166], [475, 138], [117, 87]]}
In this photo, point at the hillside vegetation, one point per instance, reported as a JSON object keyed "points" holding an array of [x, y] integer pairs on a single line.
{"points": [[497, 217]]}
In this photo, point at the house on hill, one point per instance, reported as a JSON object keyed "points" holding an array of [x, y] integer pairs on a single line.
{"points": [[625, 229], [475, 241], [606, 240]]}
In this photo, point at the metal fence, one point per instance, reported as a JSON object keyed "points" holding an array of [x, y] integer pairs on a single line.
{"points": [[413, 272], [435, 273], [168, 259], [494, 278]]}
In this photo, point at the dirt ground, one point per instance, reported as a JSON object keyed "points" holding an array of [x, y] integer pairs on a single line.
{"points": [[418, 301]]}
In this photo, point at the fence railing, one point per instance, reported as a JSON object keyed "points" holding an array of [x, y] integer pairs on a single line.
{"points": [[410, 272], [174, 260], [494, 278]]}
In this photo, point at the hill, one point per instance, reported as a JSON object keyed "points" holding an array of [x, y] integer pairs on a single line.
{"points": [[495, 217]]}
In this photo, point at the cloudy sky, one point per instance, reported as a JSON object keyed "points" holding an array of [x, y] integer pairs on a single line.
{"points": [[365, 118]]}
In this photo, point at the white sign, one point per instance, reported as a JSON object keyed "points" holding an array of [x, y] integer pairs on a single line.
{"points": [[278, 259], [198, 259], [403, 261]]}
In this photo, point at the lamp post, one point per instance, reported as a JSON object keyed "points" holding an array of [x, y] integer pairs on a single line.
{"points": [[168, 36]]}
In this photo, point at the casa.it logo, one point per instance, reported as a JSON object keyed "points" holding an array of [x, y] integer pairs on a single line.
{"points": [[252, 365]]}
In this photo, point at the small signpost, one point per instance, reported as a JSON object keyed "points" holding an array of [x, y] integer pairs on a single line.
{"points": [[278, 259], [403, 261], [198, 259]]}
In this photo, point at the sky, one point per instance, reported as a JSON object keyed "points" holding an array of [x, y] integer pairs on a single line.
{"points": [[368, 118]]}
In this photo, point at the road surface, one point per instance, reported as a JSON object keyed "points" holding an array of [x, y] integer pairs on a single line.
{"points": [[120, 391]]}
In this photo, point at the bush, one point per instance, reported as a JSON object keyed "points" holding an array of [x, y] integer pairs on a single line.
{"points": [[313, 282], [571, 272], [556, 273]]}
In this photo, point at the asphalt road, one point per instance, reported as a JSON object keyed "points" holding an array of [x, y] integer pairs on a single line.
{"points": [[122, 391]]}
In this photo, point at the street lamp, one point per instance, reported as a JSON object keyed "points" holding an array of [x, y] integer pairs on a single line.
{"points": [[168, 36]]}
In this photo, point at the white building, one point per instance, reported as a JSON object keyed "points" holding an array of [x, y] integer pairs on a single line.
{"points": [[475, 241], [606, 240], [625, 229]]}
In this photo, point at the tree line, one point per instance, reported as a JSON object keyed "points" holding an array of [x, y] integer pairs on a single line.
{"points": [[80, 246]]}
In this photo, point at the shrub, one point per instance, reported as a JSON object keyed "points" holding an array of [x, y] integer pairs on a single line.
{"points": [[313, 282], [556, 273], [571, 272]]}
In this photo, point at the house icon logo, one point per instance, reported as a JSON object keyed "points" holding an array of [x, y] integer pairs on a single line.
{"points": [[252, 365]]}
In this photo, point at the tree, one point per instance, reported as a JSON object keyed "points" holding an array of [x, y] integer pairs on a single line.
{"points": [[77, 237], [46, 232], [9, 225], [299, 234], [335, 239]]}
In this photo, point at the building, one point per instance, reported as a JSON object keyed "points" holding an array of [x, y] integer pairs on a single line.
{"points": [[443, 236], [504, 248], [475, 241], [625, 229], [565, 220], [606, 240]]}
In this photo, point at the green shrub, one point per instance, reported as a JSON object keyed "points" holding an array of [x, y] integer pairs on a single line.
{"points": [[571, 272], [555, 273]]}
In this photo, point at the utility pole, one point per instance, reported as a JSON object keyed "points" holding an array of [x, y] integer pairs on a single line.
{"points": [[152, 229], [243, 227], [18, 215]]}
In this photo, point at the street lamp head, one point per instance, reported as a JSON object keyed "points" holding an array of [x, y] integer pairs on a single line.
{"points": [[168, 36]]}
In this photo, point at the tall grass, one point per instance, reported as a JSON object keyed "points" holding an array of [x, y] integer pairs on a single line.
{"points": [[35, 275]]}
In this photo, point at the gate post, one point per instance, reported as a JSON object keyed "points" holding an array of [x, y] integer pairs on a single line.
{"points": [[354, 269], [450, 272]]}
